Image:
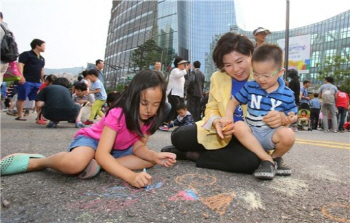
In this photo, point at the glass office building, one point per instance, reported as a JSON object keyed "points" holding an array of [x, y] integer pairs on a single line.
{"points": [[183, 28], [191, 29], [328, 38]]}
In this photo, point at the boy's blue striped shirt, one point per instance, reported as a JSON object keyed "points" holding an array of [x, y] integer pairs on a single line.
{"points": [[260, 102]]}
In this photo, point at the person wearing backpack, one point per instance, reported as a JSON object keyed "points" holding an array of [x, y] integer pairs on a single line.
{"points": [[9, 50], [328, 94]]}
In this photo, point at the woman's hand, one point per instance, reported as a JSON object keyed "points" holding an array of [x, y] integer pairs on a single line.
{"points": [[165, 159], [141, 179], [224, 127]]}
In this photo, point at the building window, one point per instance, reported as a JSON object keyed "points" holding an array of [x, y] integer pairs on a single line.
{"points": [[315, 58], [345, 33], [331, 36]]}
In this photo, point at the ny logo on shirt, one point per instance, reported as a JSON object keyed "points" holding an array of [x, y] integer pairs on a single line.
{"points": [[256, 102]]}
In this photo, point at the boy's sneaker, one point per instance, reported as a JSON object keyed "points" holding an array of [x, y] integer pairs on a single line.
{"points": [[79, 125], [282, 170], [266, 171], [88, 122]]}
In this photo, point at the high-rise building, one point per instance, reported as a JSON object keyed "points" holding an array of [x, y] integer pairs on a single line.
{"points": [[191, 29]]}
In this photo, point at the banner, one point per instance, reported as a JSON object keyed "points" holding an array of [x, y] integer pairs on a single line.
{"points": [[299, 52]]}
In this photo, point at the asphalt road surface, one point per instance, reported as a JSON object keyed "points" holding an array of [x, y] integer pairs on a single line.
{"points": [[317, 191]]}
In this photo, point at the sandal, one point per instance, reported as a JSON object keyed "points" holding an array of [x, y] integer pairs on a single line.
{"points": [[16, 163], [20, 119], [91, 170]]}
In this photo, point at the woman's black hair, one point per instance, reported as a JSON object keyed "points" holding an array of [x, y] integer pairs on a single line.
{"points": [[230, 42], [61, 81], [129, 101]]}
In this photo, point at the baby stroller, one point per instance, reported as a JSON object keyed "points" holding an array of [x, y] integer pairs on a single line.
{"points": [[304, 122]]}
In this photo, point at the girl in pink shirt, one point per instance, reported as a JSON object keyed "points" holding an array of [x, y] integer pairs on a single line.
{"points": [[117, 143]]}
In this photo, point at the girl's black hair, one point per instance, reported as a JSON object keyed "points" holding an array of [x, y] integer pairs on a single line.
{"points": [[129, 100]]}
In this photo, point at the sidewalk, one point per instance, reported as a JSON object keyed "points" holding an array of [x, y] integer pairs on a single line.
{"points": [[317, 191]]}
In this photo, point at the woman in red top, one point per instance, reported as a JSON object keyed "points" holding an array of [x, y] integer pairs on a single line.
{"points": [[342, 103]]}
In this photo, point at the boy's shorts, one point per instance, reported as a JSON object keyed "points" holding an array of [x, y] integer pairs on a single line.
{"points": [[28, 89], [264, 136], [89, 142]]}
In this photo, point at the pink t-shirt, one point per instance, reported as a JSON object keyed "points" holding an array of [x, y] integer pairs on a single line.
{"points": [[125, 138]]}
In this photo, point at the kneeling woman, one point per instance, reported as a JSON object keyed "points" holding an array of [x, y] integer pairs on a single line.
{"points": [[200, 143]]}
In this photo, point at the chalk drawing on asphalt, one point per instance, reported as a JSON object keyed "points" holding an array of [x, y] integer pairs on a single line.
{"points": [[329, 209], [114, 198], [218, 203]]}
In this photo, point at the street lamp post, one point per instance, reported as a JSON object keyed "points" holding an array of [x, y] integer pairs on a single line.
{"points": [[286, 51]]}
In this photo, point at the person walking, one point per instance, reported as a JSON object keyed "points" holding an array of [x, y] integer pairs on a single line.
{"points": [[342, 105], [195, 91], [328, 94], [99, 67], [315, 106], [31, 65], [3, 65]]}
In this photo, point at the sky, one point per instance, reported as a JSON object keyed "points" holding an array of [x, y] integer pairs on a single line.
{"points": [[75, 31]]}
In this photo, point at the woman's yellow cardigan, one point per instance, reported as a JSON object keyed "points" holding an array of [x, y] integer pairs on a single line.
{"points": [[219, 96]]}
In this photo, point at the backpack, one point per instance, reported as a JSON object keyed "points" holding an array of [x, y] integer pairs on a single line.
{"points": [[328, 96], [9, 50]]}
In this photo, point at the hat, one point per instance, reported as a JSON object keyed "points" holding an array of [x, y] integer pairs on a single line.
{"points": [[261, 29], [182, 62]]}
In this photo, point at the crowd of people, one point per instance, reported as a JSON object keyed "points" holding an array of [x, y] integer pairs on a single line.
{"points": [[326, 110], [243, 124]]}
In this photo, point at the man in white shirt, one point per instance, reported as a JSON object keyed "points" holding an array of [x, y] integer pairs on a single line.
{"points": [[175, 89]]}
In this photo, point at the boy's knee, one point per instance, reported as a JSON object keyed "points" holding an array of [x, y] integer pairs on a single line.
{"points": [[286, 136]]}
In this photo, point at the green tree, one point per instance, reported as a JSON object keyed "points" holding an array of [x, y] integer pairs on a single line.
{"points": [[338, 68], [145, 55]]}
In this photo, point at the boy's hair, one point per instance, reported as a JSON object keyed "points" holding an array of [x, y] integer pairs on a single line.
{"points": [[306, 82], [329, 79], [92, 72], [181, 106], [316, 95], [51, 78], [129, 100], [197, 64], [61, 81], [80, 86], [36, 42], [228, 43], [80, 77], [112, 97], [98, 61], [268, 52]]}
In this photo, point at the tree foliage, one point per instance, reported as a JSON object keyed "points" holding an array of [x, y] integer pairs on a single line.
{"points": [[338, 68], [145, 55]]}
